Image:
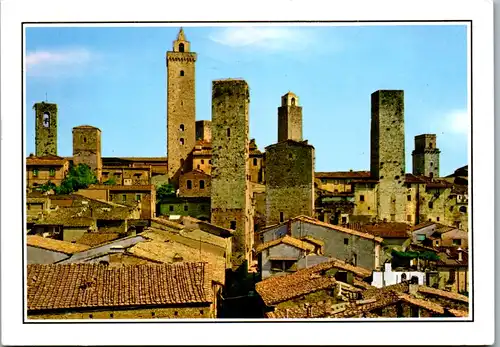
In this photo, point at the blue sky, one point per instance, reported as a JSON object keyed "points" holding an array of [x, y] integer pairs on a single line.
{"points": [[115, 79]]}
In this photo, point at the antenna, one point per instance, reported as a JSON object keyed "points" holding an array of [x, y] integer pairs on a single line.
{"points": [[46, 97]]}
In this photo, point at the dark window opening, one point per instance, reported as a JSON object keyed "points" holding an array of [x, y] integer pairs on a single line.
{"points": [[431, 204], [344, 221], [185, 207], [210, 161], [189, 184], [431, 164], [91, 316], [203, 161], [430, 146], [46, 119], [437, 218], [403, 277], [181, 47], [282, 217], [138, 197], [293, 101], [368, 208], [181, 127], [201, 311], [124, 197], [408, 197], [110, 315], [171, 208], [182, 72], [254, 161], [361, 198], [228, 132], [431, 174], [457, 242], [182, 141], [346, 241], [463, 209], [202, 184], [52, 172], [233, 225], [176, 313], [198, 166], [84, 140], [152, 314]]}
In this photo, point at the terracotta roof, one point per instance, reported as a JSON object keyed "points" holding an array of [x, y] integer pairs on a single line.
{"points": [[448, 256], [48, 160], [399, 288], [282, 288], [55, 245], [426, 304], [343, 174], [79, 286], [338, 228], [443, 294], [97, 238], [459, 313], [314, 310], [288, 240], [388, 229], [147, 187], [363, 307]]}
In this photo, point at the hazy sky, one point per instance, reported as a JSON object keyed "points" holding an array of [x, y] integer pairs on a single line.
{"points": [[115, 79]]}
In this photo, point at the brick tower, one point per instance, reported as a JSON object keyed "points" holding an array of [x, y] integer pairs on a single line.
{"points": [[289, 118], [388, 153], [230, 195], [45, 129], [87, 148], [180, 107], [426, 156]]}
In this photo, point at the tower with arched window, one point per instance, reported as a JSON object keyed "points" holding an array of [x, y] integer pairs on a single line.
{"points": [[181, 114], [45, 129], [289, 118], [426, 156]]}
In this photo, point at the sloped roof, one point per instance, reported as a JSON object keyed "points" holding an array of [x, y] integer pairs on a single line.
{"points": [[443, 294], [288, 240], [93, 239], [47, 160], [80, 286], [55, 245]]}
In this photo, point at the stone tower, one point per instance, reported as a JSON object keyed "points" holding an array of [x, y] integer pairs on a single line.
{"points": [[289, 181], [180, 107], [230, 195], [388, 153], [87, 148], [289, 118], [426, 156], [204, 130], [45, 129]]}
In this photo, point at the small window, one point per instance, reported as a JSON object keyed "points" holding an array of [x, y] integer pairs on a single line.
{"points": [[457, 242], [201, 311], [46, 119], [111, 197], [124, 197], [282, 217], [84, 140], [182, 141], [189, 184], [233, 225], [228, 132], [198, 166], [431, 174], [463, 209], [91, 316], [182, 72], [368, 208], [451, 208], [35, 173], [361, 198], [52, 172], [152, 314], [202, 184], [203, 161], [111, 315], [176, 313], [181, 127], [254, 161], [344, 220], [431, 164], [293, 101], [431, 204], [437, 219], [171, 208], [408, 218], [408, 197], [403, 277], [430, 146], [346, 241], [138, 197], [186, 207], [181, 47], [210, 162]]}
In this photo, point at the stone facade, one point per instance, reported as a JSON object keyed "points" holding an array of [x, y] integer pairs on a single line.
{"points": [[231, 206], [289, 118], [194, 184], [127, 176], [204, 130], [426, 156], [45, 129], [87, 148], [388, 153], [40, 170], [181, 111], [289, 181]]}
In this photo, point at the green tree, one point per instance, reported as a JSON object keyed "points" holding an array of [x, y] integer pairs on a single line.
{"points": [[110, 182], [79, 177], [164, 191], [46, 187]]}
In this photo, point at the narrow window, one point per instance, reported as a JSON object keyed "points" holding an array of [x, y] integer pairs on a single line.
{"points": [[228, 132], [210, 162], [463, 209], [346, 241], [152, 314], [293, 101], [361, 198], [182, 141], [408, 197], [233, 225], [35, 173], [52, 172], [201, 311], [431, 174], [202, 161], [124, 197], [181, 127], [408, 218], [430, 146], [185, 207], [198, 166], [344, 220], [176, 313], [437, 218], [111, 197], [181, 47], [182, 72], [46, 119], [171, 208], [457, 242], [431, 164], [84, 140], [110, 315], [189, 184], [431, 204], [254, 161], [202, 184], [138, 197], [281, 217]]}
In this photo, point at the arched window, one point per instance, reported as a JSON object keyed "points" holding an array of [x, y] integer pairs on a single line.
{"points": [[182, 72], [233, 225], [84, 139], [182, 141], [189, 184], [228, 132], [181, 127], [293, 101], [46, 119], [403, 277], [202, 184], [181, 47], [431, 164], [430, 145]]}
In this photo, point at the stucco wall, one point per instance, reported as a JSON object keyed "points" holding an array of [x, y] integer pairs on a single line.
{"points": [[279, 251], [37, 255]]}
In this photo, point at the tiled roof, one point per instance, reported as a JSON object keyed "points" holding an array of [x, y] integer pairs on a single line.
{"points": [[55, 245], [195, 172], [282, 288], [310, 239], [402, 287], [117, 187], [388, 229], [426, 304], [338, 228], [343, 174], [449, 257], [288, 240], [50, 160], [443, 294], [459, 313], [80, 286], [97, 238], [315, 310]]}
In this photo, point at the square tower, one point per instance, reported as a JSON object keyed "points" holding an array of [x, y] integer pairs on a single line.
{"points": [[87, 148], [230, 196], [204, 130], [180, 107], [289, 118], [45, 129], [426, 156], [388, 153]]}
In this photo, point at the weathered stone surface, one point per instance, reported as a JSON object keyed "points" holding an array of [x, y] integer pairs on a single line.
{"points": [[426, 156], [45, 129], [289, 118], [87, 148]]}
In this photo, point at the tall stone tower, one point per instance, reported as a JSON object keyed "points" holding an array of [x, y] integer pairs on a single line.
{"points": [[87, 148], [289, 181], [204, 130], [180, 107], [45, 129], [289, 118], [230, 200], [426, 156], [388, 153]]}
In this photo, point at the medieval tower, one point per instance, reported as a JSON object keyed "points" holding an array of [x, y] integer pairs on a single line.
{"points": [[87, 148], [289, 118], [388, 153], [45, 129], [230, 195], [180, 107], [426, 156]]}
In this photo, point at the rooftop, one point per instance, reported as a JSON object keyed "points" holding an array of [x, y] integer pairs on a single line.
{"points": [[55, 245], [92, 239], [443, 294], [288, 240], [343, 174]]}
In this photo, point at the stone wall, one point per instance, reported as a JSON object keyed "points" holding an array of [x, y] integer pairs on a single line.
{"points": [[388, 153], [289, 118], [45, 129], [289, 181], [426, 156], [365, 197], [87, 148], [204, 130], [230, 205]]}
